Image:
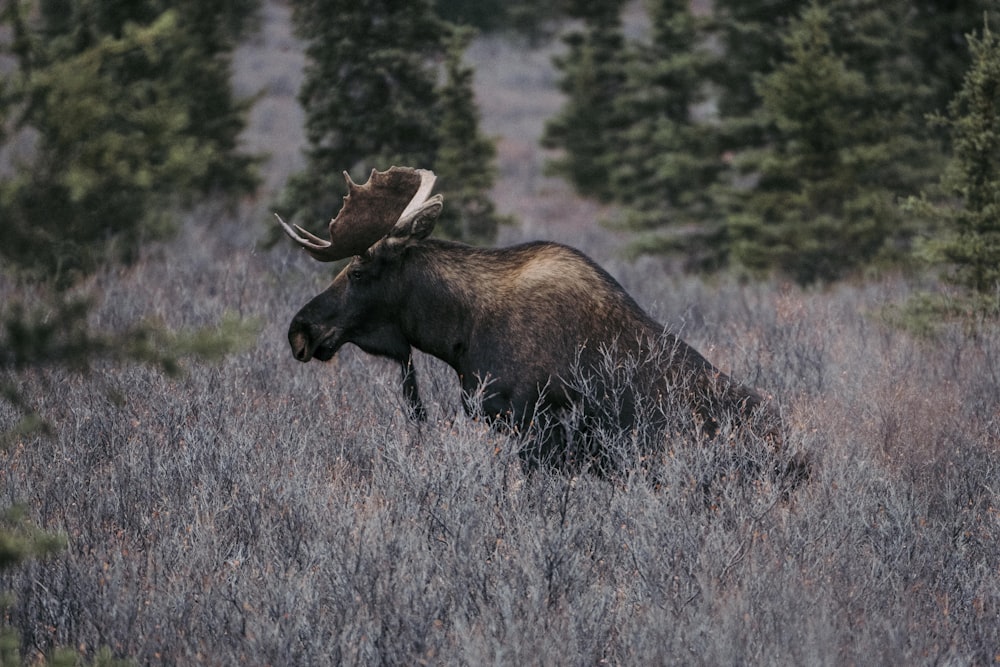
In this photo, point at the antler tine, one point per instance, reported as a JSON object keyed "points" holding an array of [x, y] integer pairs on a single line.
{"points": [[427, 179], [430, 208], [351, 185], [317, 242], [315, 246]]}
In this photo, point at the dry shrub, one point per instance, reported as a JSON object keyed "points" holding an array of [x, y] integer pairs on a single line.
{"points": [[268, 512]]}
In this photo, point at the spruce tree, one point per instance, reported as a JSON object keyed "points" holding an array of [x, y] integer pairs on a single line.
{"points": [[465, 159], [905, 53], [593, 76], [966, 212], [938, 45], [372, 100], [122, 135], [665, 160], [823, 203], [193, 65], [369, 95], [880, 41], [749, 34], [914, 50]]}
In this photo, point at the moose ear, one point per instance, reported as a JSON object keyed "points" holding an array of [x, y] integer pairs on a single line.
{"points": [[414, 226], [418, 224]]}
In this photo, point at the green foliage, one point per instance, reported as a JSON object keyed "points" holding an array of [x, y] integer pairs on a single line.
{"points": [[828, 133], [116, 148], [20, 540], [129, 113], [664, 160], [938, 45], [55, 333], [369, 95], [915, 53], [964, 210], [99, 160], [750, 34], [592, 78], [823, 202], [930, 315], [10, 655], [773, 135], [526, 17], [465, 159], [973, 249], [128, 121], [67, 657], [372, 100]]}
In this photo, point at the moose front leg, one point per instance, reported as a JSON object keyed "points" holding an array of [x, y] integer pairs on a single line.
{"points": [[410, 391]]}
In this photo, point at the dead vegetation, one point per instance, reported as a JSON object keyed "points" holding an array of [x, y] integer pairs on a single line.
{"points": [[268, 512]]}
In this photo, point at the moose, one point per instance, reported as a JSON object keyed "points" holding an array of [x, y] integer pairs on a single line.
{"points": [[543, 340]]}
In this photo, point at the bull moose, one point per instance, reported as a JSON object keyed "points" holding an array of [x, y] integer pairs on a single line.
{"points": [[539, 335]]}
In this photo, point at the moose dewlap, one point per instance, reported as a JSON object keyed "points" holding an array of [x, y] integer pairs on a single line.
{"points": [[548, 343]]}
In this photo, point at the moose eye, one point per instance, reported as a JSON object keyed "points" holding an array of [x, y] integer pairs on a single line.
{"points": [[360, 269]]}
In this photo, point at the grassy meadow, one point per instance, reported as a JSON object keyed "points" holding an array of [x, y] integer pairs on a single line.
{"points": [[265, 512]]}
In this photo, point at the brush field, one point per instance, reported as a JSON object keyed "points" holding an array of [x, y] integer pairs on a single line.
{"points": [[266, 512]]}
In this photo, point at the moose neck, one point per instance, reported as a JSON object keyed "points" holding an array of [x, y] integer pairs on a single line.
{"points": [[441, 302]]}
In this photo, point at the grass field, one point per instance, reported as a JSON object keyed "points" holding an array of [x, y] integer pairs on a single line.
{"points": [[262, 511]]}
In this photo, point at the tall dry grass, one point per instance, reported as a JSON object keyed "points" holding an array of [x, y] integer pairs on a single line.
{"points": [[271, 512], [263, 511]]}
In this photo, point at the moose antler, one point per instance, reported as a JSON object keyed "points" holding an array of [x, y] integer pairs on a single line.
{"points": [[370, 211]]}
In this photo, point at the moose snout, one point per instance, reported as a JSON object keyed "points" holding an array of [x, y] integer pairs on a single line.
{"points": [[301, 340]]}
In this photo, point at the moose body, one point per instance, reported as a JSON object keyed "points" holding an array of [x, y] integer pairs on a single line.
{"points": [[534, 332]]}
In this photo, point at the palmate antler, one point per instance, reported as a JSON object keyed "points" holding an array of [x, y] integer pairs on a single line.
{"points": [[370, 211]]}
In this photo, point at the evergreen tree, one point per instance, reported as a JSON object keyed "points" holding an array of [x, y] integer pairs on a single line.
{"points": [[967, 210], [939, 49], [524, 16], [916, 46], [593, 76], [823, 203], [122, 136], [665, 160], [749, 33], [193, 65], [372, 101], [804, 179], [891, 45], [465, 160], [113, 151], [880, 40], [369, 95]]}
